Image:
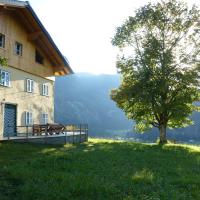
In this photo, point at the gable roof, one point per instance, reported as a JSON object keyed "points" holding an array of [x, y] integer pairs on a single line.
{"points": [[39, 34]]}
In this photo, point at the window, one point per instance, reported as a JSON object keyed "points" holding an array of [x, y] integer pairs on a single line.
{"points": [[38, 57], [2, 40], [29, 85], [45, 90], [44, 118], [18, 48], [4, 78], [29, 118]]}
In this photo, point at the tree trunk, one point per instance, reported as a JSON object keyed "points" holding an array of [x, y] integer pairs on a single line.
{"points": [[162, 131]]}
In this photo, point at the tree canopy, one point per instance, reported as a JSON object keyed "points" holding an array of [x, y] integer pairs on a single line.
{"points": [[159, 63]]}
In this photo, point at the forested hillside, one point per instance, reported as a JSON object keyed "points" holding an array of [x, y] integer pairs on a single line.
{"points": [[84, 98]]}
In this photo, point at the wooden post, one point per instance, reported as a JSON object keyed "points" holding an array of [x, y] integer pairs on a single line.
{"points": [[65, 138], [27, 133], [45, 134]]}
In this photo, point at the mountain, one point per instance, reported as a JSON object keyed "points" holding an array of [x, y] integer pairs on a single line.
{"points": [[84, 98]]}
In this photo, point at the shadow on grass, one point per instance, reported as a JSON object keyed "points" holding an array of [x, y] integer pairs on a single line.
{"points": [[9, 185], [103, 170]]}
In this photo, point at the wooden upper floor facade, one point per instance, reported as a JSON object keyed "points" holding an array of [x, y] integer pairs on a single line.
{"points": [[25, 42]]}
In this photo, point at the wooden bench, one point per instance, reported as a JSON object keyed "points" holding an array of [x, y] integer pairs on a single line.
{"points": [[55, 128]]}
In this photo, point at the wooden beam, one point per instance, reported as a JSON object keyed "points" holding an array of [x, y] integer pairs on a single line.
{"points": [[58, 70], [66, 70], [22, 18], [34, 36], [4, 10]]}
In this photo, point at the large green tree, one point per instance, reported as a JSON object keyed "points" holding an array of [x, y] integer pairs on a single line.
{"points": [[159, 64]]}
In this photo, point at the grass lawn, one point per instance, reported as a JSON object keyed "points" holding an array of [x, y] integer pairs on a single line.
{"points": [[99, 170]]}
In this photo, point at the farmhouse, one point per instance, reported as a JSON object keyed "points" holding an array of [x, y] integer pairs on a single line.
{"points": [[27, 83]]}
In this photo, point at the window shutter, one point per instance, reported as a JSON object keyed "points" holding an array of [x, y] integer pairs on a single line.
{"points": [[43, 119], [7, 79], [27, 85], [32, 86], [26, 118], [43, 87], [31, 118], [3, 78], [47, 90]]}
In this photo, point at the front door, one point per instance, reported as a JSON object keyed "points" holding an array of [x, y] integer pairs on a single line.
{"points": [[10, 120]]}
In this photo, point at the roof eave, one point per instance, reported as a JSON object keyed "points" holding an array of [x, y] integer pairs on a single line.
{"points": [[25, 4], [66, 64]]}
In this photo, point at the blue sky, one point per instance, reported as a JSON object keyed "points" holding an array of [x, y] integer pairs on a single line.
{"points": [[82, 29]]}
